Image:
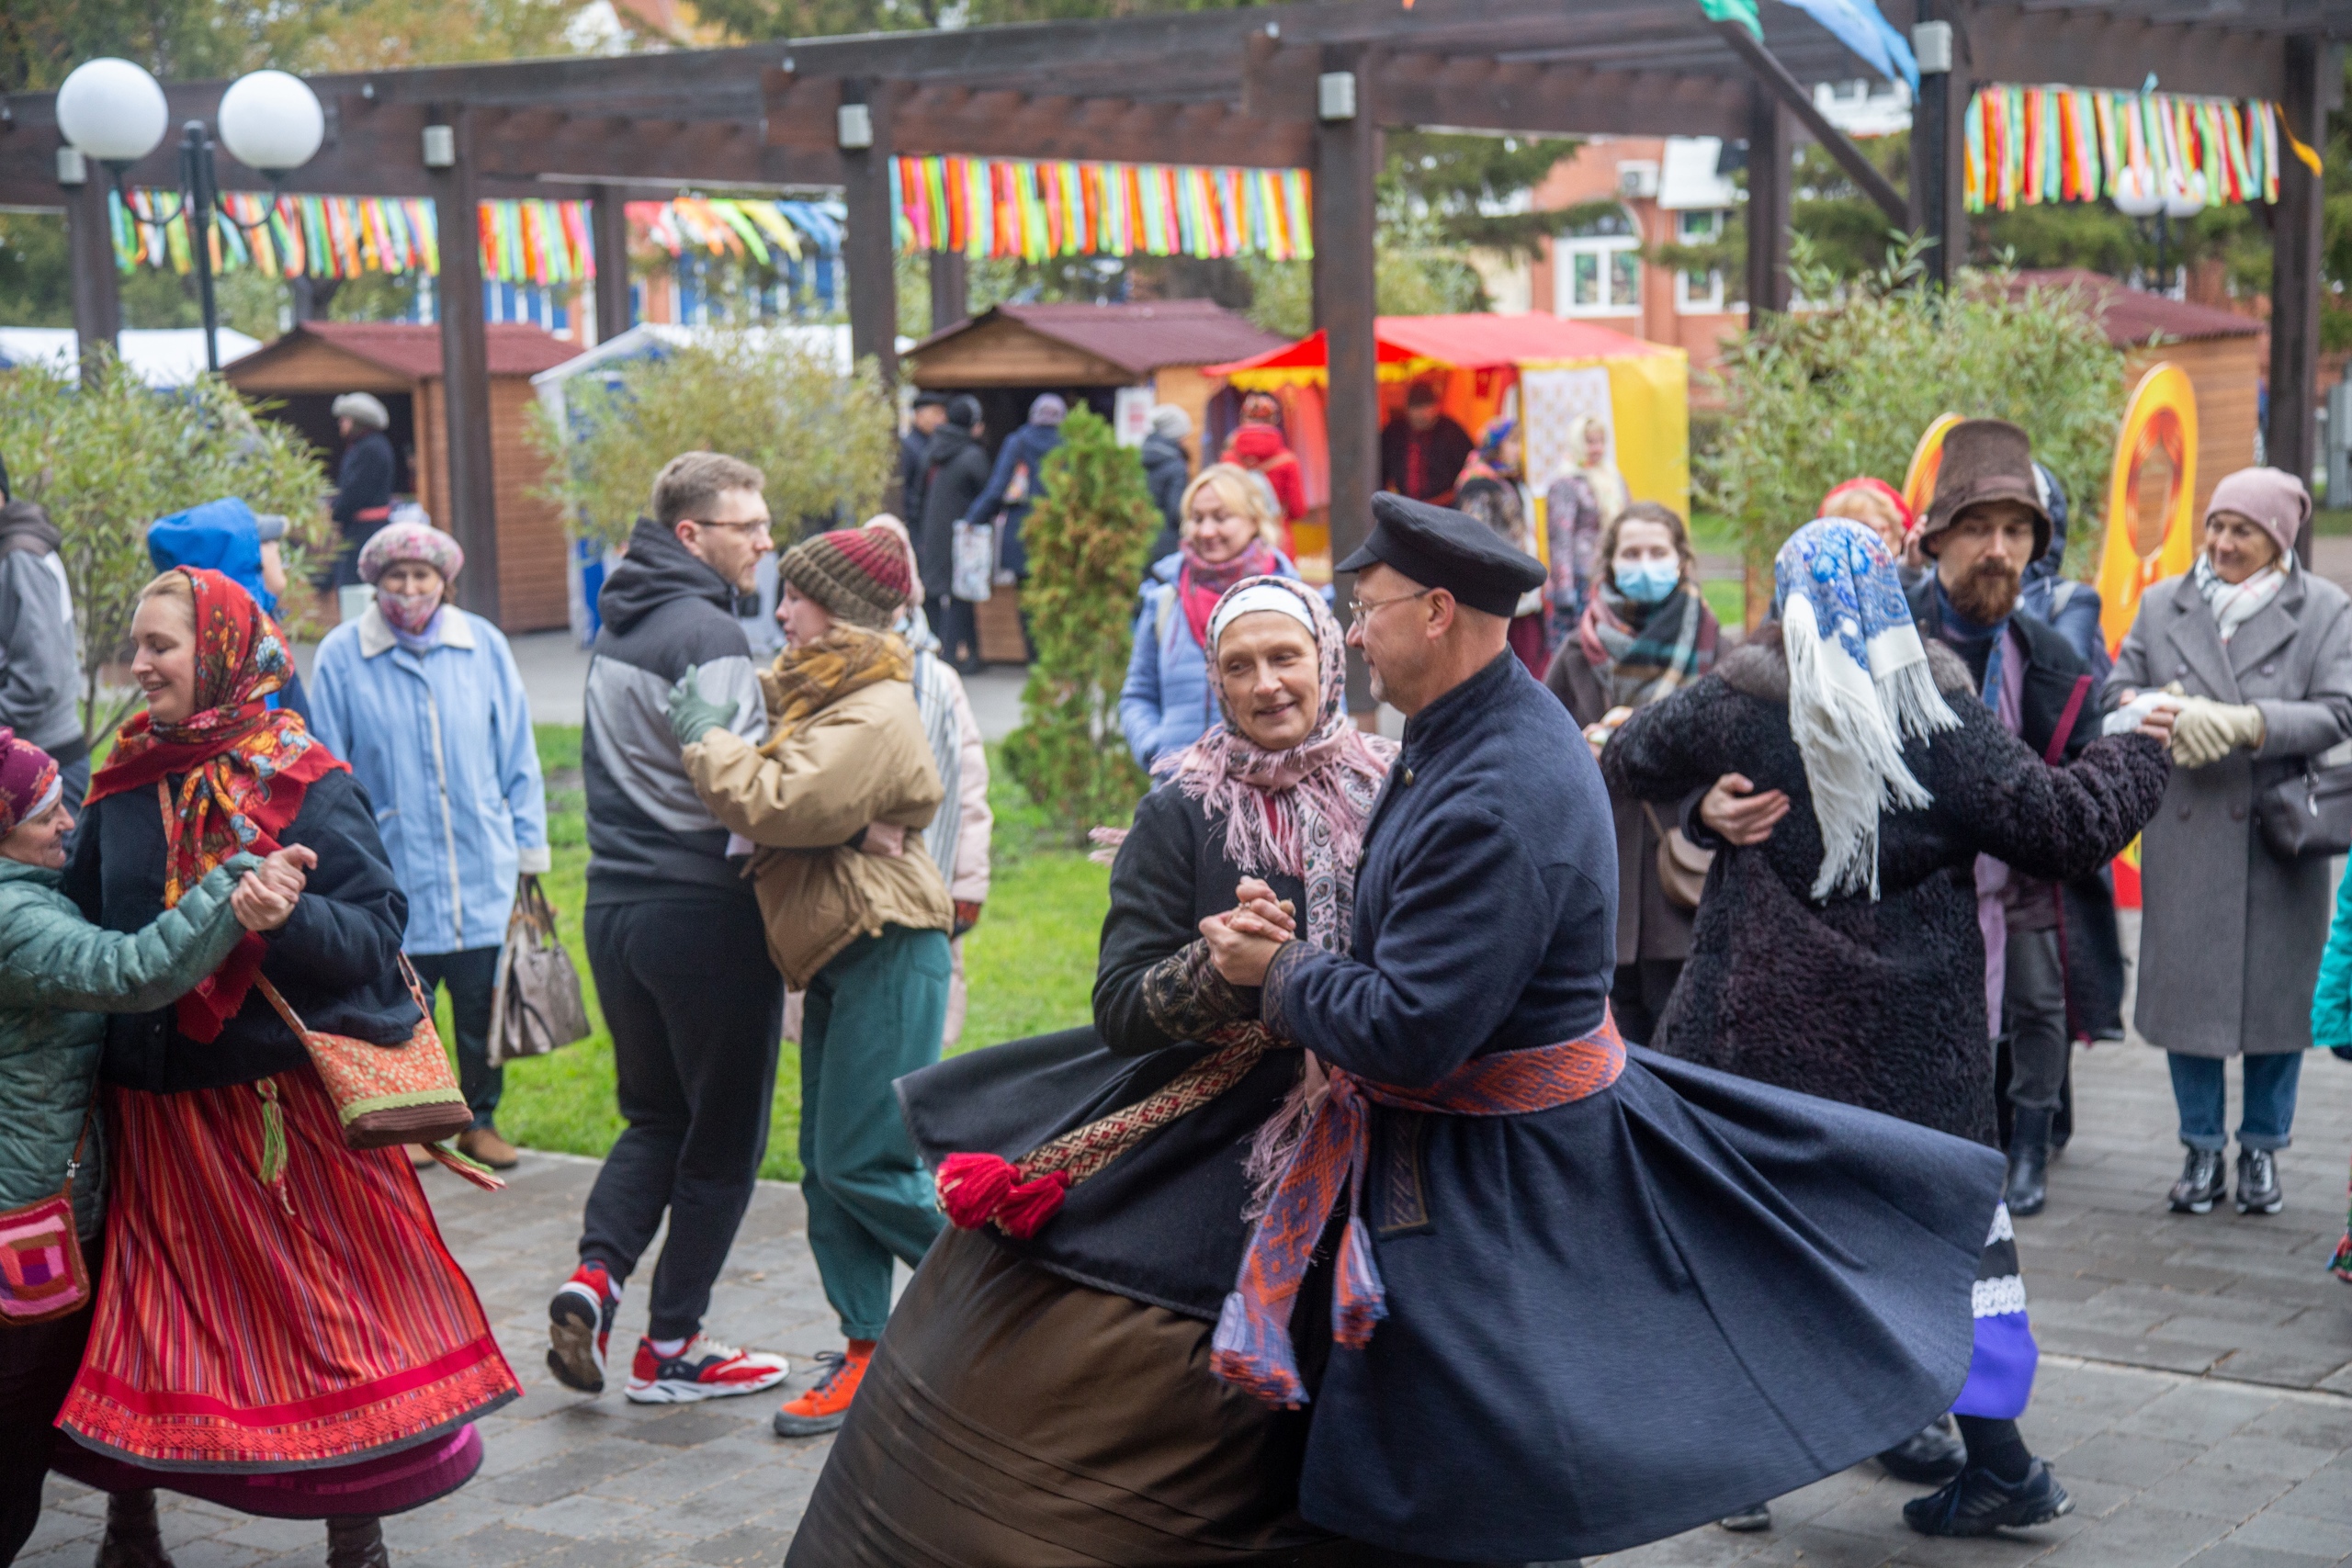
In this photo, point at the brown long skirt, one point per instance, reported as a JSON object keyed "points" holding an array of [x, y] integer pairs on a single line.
{"points": [[1013, 1420]]}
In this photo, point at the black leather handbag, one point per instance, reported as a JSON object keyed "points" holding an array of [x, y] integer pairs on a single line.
{"points": [[2308, 815]]}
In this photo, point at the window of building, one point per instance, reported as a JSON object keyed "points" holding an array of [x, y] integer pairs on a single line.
{"points": [[1698, 293], [1597, 267]]}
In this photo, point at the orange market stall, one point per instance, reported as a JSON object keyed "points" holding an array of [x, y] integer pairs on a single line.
{"points": [[1539, 368]]}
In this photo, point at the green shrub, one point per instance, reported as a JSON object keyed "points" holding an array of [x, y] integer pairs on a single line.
{"points": [[1844, 388], [1086, 541]]}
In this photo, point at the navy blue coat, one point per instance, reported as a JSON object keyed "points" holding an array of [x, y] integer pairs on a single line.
{"points": [[1620, 1317]]}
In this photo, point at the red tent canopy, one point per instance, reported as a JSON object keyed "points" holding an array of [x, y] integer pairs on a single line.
{"points": [[1411, 343]]}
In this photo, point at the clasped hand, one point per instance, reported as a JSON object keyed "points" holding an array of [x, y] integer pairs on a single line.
{"points": [[1243, 943], [264, 900]]}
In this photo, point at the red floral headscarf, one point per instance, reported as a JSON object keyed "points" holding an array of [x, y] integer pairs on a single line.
{"points": [[241, 766]]}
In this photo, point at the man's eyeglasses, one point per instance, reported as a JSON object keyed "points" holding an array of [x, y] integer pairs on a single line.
{"points": [[1357, 609], [763, 528]]}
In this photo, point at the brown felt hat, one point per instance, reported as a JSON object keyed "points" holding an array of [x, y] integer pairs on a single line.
{"points": [[1985, 459]]}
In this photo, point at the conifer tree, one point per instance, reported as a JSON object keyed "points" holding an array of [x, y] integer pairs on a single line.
{"points": [[1086, 540]]}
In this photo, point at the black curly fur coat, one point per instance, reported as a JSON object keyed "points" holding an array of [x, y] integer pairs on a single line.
{"points": [[1878, 1003]]}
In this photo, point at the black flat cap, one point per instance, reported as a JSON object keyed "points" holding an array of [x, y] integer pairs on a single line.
{"points": [[1440, 548]]}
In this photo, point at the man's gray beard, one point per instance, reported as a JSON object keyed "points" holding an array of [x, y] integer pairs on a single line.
{"points": [[1379, 688]]}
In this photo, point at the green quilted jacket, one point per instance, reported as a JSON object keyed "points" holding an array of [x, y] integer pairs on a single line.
{"points": [[59, 974]]}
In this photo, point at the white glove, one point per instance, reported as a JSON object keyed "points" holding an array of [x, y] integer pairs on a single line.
{"points": [[2208, 731]]}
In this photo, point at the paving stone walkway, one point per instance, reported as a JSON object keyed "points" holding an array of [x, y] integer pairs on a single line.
{"points": [[2196, 1394]]}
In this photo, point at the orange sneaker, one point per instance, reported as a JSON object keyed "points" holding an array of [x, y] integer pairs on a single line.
{"points": [[825, 1405]]}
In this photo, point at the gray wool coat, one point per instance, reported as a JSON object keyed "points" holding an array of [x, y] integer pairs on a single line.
{"points": [[2230, 934]]}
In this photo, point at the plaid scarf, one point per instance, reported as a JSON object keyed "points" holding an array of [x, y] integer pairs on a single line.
{"points": [[1253, 1347], [1199, 585], [804, 680], [1643, 651], [244, 768]]}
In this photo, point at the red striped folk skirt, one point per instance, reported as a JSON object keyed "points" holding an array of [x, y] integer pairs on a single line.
{"points": [[244, 1328]]}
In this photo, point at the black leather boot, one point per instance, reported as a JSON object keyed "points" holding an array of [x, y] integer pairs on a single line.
{"points": [[2201, 1182], [2259, 1188], [2028, 1162], [357, 1543], [133, 1540]]}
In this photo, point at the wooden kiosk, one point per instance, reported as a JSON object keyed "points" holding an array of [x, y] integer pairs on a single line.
{"points": [[303, 372]]}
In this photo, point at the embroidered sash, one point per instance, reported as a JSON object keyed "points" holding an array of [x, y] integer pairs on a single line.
{"points": [[1252, 1346]]}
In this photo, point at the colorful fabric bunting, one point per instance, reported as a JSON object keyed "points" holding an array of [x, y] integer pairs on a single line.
{"points": [[1002, 206], [2029, 145], [529, 242]]}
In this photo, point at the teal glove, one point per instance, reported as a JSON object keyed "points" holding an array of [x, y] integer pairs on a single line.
{"points": [[691, 718]]}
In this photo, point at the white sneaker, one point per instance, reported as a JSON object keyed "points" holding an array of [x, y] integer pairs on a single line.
{"points": [[704, 1370]]}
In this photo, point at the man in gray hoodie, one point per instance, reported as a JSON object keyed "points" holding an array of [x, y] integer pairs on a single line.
{"points": [[39, 668], [676, 944]]}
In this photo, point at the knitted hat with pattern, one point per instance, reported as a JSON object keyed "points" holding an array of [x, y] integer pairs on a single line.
{"points": [[859, 574]]}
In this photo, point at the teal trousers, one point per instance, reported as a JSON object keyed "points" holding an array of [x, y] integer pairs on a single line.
{"points": [[872, 1015]]}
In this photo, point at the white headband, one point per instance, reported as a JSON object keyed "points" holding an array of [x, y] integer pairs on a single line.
{"points": [[1259, 596]]}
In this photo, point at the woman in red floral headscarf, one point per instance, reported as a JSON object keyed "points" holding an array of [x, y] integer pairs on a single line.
{"points": [[311, 1350]]}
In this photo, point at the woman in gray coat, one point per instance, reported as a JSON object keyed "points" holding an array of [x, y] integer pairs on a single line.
{"points": [[2231, 934]]}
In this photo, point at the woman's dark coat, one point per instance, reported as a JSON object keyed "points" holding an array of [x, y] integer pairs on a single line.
{"points": [[1649, 925], [956, 469], [1162, 1224], [2230, 934], [336, 959], [1878, 1003]]}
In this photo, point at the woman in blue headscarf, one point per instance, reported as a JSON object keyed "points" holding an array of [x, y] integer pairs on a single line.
{"points": [[1848, 778]]}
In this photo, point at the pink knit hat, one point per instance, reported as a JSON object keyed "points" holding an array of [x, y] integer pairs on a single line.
{"points": [[2272, 497], [28, 783]]}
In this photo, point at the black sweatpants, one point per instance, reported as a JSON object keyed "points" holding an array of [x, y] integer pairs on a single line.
{"points": [[696, 1011], [38, 1361], [471, 975], [2034, 1011], [957, 624]]}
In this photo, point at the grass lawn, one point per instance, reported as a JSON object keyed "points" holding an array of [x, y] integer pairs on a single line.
{"points": [[1030, 965]]}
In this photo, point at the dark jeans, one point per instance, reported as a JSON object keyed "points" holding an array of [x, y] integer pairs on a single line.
{"points": [[38, 1361], [1638, 997], [2200, 1090], [957, 626], [471, 973], [2033, 1015], [696, 1011]]}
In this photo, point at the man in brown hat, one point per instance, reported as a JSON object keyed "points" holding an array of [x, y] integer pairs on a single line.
{"points": [[1989, 521]]}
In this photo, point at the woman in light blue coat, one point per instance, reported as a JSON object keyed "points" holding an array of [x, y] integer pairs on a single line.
{"points": [[423, 701], [1164, 705]]}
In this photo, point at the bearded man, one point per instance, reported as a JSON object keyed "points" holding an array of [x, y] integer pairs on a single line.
{"points": [[1988, 521]]}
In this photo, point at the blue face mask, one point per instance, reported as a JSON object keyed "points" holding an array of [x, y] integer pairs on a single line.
{"points": [[1652, 582]]}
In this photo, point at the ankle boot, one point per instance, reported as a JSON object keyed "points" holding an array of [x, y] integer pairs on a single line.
{"points": [[2028, 1162], [133, 1540], [357, 1543]]}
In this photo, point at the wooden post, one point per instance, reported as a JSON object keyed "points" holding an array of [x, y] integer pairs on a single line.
{"points": [[950, 289], [870, 246], [472, 501], [1347, 159], [2290, 440], [1939, 207], [609, 225], [1769, 163], [97, 291]]}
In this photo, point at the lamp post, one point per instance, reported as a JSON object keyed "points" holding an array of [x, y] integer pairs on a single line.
{"points": [[112, 111], [2139, 194]]}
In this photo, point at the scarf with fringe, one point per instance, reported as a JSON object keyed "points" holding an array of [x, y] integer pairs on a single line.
{"points": [[1859, 687], [1301, 811], [1643, 651]]}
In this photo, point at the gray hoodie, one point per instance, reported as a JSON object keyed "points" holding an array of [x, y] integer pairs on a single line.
{"points": [[649, 835]]}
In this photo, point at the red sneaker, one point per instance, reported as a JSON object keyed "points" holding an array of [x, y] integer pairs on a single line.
{"points": [[824, 1406], [704, 1370], [580, 1327]]}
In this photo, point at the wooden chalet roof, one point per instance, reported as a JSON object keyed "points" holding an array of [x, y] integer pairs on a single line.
{"points": [[372, 357], [1078, 344], [2132, 316]]}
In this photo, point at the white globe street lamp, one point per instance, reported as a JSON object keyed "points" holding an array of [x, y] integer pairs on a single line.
{"points": [[112, 111]]}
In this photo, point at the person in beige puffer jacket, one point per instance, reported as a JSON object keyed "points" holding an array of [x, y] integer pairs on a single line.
{"points": [[833, 802]]}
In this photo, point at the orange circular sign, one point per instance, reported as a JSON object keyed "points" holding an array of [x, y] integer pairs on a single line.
{"points": [[1927, 461], [2151, 497]]}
